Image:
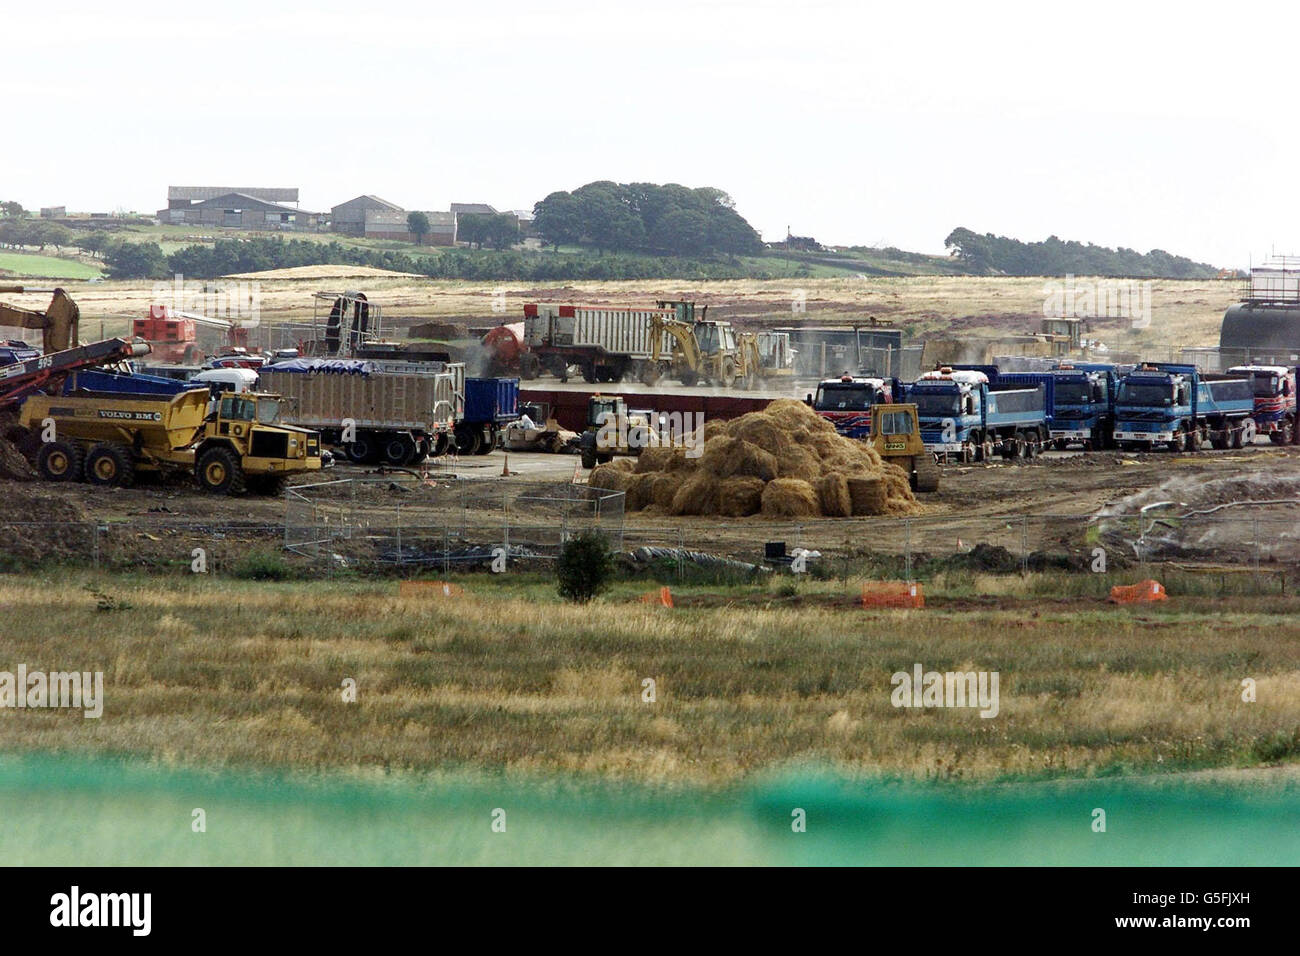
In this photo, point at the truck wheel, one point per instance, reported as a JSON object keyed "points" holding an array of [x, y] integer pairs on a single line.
{"points": [[728, 373], [529, 366], [399, 450], [1029, 443], [649, 373], [689, 377], [927, 473], [59, 461], [441, 445], [110, 466], [1247, 433], [1194, 440], [270, 485], [220, 473], [1284, 433], [487, 442], [363, 451], [589, 372]]}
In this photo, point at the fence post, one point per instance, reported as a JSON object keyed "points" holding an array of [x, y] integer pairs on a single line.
{"points": [[907, 548], [399, 534], [681, 555], [1024, 544]]}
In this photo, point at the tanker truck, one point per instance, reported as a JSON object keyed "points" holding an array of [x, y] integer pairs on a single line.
{"points": [[230, 444]]}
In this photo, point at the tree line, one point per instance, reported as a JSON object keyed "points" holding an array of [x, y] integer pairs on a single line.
{"points": [[670, 220], [990, 254], [146, 260]]}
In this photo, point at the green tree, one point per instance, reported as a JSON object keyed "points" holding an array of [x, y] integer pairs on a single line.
{"points": [[136, 260], [418, 223], [501, 231], [558, 219], [473, 229], [584, 567], [12, 210]]}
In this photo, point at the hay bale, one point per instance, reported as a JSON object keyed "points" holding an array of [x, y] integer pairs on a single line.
{"points": [[766, 431], [729, 456], [637, 494], [697, 495], [867, 495], [608, 478], [798, 462], [789, 498], [664, 488], [661, 458], [714, 428], [833, 496], [740, 497]]}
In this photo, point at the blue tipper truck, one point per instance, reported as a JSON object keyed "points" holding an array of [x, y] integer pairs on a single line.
{"points": [[1183, 408], [490, 403], [1083, 409], [972, 412]]}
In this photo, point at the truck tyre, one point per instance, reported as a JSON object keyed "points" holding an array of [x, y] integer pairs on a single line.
{"points": [[363, 451], [1030, 445], [589, 372], [59, 461], [1195, 440], [399, 450], [487, 442], [220, 473], [1247, 433], [1284, 433], [529, 366], [650, 373], [270, 485], [110, 466], [441, 445], [727, 374], [689, 377], [927, 473]]}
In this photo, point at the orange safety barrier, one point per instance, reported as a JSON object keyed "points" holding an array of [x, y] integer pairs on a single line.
{"points": [[429, 588], [892, 594], [1141, 593], [663, 597]]}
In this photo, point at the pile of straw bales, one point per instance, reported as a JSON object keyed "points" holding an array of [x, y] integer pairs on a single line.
{"points": [[783, 462]]}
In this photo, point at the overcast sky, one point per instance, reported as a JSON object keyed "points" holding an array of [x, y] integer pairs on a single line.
{"points": [[1165, 126]]}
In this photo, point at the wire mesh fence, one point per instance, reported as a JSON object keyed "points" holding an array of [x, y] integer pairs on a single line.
{"points": [[352, 527]]}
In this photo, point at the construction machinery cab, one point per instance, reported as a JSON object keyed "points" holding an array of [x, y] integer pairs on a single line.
{"points": [[896, 435]]}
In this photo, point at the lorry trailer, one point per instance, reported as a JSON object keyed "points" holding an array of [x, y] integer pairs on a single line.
{"points": [[970, 414], [1275, 406], [370, 413], [1183, 408]]}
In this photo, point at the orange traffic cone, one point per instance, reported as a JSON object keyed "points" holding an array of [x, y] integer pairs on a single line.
{"points": [[505, 467]]}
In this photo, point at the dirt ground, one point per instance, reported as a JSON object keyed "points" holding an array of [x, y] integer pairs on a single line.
{"points": [[1004, 505]]}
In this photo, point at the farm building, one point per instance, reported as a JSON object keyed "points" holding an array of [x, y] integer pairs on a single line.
{"points": [[350, 217], [236, 209], [377, 218]]}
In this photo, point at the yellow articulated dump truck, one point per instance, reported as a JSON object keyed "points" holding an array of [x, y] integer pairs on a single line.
{"points": [[230, 444]]}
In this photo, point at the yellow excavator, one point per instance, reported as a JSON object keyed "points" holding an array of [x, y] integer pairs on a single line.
{"points": [[60, 324], [706, 351]]}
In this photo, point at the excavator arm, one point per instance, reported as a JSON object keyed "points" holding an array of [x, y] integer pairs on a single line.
{"points": [[684, 336], [60, 323]]}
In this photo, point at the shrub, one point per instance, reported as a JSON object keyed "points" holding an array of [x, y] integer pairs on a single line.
{"points": [[585, 567], [261, 566]]}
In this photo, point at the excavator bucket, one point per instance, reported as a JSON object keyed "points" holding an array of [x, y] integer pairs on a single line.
{"points": [[60, 324]]}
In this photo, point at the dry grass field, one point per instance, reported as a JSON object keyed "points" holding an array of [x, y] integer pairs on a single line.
{"points": [[508, 679], [1183, 313]]}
